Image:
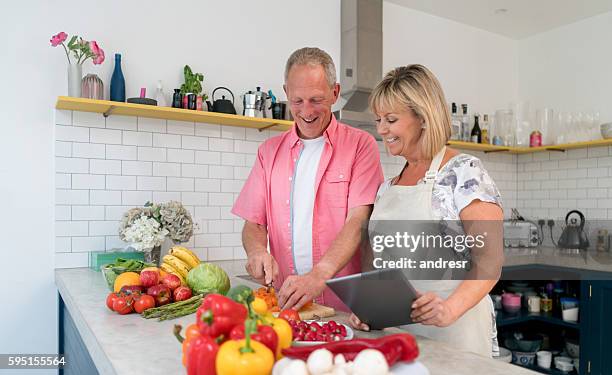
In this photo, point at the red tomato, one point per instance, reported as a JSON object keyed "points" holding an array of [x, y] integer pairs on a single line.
{"points": [[110, 299], [123, 305], [289, 314], [143, 303]]}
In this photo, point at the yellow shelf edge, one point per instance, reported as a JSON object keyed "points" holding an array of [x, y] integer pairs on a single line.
{"points": [[168, 113], [527, 150]]}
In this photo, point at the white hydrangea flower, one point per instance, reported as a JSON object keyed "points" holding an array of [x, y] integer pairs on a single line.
{"points": [[145, 233]]}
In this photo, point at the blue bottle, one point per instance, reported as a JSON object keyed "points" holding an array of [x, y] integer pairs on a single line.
{"points": [[117, 85]]}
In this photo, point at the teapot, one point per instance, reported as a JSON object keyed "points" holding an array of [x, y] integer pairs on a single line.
{"points": [[221, 105], [573, 236]]}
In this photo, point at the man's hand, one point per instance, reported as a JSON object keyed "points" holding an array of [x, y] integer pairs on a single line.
{"points": [[298, 290], [263, 267]]}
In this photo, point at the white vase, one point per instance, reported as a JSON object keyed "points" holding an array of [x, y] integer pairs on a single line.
{"points": [[75, 73]]}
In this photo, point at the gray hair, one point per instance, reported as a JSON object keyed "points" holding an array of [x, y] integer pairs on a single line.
{"points": [[313, 56]]}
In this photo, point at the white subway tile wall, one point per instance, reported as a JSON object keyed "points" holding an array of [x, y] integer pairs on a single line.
{"points": [[106, 166]]}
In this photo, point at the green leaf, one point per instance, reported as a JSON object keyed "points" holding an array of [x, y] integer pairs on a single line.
{"points": [[71, 42]]}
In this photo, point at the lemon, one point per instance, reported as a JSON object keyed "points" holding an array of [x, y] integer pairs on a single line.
{"points": [[259, 305]]}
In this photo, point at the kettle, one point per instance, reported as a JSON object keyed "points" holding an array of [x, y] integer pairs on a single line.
{"points": [[573, 236], [222, 105]]}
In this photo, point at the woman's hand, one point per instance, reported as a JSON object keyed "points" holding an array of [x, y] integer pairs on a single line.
{"points": [[431, 309], [357, 324]]}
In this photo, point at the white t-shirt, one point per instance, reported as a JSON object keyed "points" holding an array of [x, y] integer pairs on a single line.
{"points": [[302, 202]]}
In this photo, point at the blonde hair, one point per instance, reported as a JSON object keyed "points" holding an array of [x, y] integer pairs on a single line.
{"points": [[315, 57], [415, 87]]}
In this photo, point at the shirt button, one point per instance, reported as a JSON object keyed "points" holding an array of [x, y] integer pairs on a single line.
{"points": [[294, 160], [290, 178], [341, 176], [288, 224], [287, 201]]}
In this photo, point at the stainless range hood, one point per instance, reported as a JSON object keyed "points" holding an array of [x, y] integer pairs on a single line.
{"points": [[360, 61]]}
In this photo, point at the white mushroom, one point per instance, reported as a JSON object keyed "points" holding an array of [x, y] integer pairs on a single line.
{"points": [[320, 361], [370, 362], [339, 359], [295, 367], [280, 366]]}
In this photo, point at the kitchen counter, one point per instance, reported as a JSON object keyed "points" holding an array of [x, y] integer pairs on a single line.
{"points": [[549, 256], [129, 344]]}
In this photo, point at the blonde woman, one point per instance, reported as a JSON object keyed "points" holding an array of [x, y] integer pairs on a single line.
{"points": [[436, 183]]}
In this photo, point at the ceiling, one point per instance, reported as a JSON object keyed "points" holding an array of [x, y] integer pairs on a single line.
{"points": [[521, 19]]}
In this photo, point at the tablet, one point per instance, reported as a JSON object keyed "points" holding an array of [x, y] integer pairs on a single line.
{"points": [[380, 298]]}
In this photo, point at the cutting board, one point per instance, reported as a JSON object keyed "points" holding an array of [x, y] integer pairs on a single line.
{"points": [[316, 310]]}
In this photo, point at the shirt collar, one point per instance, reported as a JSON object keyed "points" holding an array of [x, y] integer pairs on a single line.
{"points": [[329, 133]]}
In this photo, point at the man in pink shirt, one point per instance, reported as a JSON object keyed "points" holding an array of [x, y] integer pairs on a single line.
{"points": [[310, 192]]}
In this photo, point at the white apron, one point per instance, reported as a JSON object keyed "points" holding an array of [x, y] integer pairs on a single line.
{"points": [[473, 331]]}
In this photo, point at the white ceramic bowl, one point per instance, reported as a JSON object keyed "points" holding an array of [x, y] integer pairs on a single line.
{"points": [[349, 336], [505, 355], [564, 366]]}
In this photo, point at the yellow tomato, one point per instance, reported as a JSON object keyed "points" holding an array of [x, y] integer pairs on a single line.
{"points": [[259, 305]]}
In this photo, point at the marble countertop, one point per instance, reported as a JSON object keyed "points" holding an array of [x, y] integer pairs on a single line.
{"points": [[129, 344], [550, 256]]}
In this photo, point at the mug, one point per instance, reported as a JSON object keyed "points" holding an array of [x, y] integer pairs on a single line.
{"points": [[533, 304], [544, 358], [546, 304]]}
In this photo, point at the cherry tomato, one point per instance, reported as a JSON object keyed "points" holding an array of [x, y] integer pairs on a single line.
{"points": [[123, 305], [289, 315], [110, 299], [143, 303]]}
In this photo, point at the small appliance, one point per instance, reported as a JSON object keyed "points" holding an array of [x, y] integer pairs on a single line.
{"points": [[521, 234]]}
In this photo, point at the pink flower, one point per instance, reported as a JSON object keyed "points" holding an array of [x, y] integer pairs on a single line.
{"points": [[93, 46], [58, 39], [99, 58]]}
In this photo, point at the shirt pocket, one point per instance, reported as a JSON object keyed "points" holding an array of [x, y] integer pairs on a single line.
{"points": [[334, 187]]}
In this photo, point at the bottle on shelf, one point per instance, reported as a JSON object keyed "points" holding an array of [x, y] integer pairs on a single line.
{"points": [[485, 129], [117, 86], [465, 124], [476, 134], [455, 123], [160, 96]]}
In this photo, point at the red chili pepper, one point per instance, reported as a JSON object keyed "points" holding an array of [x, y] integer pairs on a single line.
{"points": [[218, 315], [265, 335], [398, 347], [201, 356]]}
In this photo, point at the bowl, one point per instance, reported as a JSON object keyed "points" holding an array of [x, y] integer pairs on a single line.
{"points": [[606, 130], [570, 315], [523, 358], [523, 342], [564, 364], [572, 348], [505, 355]]}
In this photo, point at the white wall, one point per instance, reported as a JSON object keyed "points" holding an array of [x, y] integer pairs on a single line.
{"points": [[474, 66], [239, 44], [568, 68]]}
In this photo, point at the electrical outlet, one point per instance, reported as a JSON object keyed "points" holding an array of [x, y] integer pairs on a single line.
{"points": [[198, 226]]}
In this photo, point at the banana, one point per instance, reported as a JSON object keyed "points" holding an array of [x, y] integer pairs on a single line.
{"points": [[178, 264], [186, 255], [168, 268]]}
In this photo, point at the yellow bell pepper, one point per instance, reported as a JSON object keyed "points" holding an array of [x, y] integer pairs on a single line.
{"points": [[285, 334], [233, 358], [259, 305]]}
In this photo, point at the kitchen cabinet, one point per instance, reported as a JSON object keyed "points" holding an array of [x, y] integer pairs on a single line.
{"points": [[594, 327], [78, 360]]}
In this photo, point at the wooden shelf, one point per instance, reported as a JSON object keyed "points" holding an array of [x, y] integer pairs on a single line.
{"points": [[108, 108], [526, 150]]}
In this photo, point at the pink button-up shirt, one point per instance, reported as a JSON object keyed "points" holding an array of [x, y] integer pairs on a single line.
{"points": [[348, 176]]}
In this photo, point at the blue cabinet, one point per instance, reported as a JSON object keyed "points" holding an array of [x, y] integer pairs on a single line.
{"points": [[596, 333]]}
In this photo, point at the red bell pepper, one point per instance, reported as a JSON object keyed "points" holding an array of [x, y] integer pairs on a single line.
{"points": [[398, 347], [265, 335], [201, 356], [218, 315]]}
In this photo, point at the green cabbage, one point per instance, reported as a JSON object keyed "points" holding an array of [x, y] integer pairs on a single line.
{"points": [[208, 278]]}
